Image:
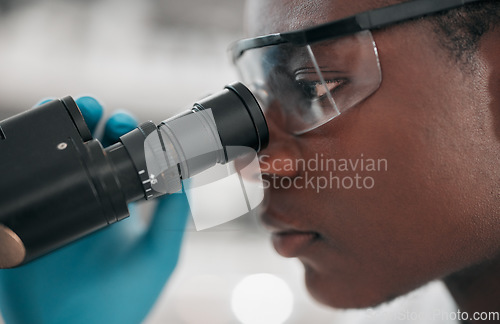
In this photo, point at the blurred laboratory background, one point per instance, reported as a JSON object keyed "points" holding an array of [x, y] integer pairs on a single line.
{"points": [[154, 58]]}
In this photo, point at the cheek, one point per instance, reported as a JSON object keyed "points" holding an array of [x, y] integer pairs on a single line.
{"points": [[426, 188], [420, 221], [421, 121], [410, 228]]}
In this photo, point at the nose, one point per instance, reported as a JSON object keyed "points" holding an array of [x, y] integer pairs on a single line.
{"points": [[280, 157]]}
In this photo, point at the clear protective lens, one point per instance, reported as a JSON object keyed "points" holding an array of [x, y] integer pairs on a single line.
{"points": [[310, 85]]}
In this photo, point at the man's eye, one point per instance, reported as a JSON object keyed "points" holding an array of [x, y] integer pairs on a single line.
{"points": [[309, 89], [317, 90]]}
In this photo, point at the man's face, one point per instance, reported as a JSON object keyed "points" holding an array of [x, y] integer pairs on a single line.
{"points": [[433, 207]]}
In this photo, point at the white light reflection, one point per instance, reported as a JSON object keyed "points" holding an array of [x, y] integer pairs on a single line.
{"points": [[262, 299]]}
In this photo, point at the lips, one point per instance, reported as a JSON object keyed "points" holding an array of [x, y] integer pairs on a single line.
{"points": [[291, 244], [292, 233]]}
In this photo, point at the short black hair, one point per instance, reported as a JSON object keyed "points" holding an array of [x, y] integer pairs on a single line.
{"points": [[461, 29]]}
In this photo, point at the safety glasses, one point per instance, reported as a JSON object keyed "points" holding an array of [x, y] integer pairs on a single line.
{"points": [[313, 75]]}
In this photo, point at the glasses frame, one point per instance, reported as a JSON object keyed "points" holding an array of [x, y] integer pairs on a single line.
{"points": [[367, 20]]}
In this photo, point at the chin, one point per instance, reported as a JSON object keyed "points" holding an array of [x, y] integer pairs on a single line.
{"points": [[344, 293]]}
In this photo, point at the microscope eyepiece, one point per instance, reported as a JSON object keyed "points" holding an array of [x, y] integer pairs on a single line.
{"points": [[238, 116], [191, 142]]}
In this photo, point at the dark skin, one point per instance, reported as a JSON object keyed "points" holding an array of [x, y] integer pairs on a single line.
{"points": [[436, 212], [475, 287]]}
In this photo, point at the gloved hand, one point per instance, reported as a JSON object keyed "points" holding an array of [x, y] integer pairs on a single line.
{"points": [[112, 276]]}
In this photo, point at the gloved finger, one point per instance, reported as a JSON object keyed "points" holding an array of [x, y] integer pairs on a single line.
{"points": [[125, 231], [169, 221], [43, 101], [130, 228], [91, 110], [117, 125]]}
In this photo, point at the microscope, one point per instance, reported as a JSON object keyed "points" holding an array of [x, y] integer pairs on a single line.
{"points": [[59, 184]]}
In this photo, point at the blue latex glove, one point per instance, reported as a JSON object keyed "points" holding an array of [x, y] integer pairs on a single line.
{"points": [[112, 276]]}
